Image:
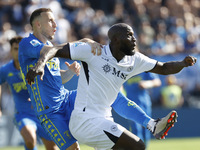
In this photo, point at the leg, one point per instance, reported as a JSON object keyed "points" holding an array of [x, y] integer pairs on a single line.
{"points": [[28, 133], [56, 126], [136, 129], [74, 146], [126, 108], [129, 141], [49, 145]]}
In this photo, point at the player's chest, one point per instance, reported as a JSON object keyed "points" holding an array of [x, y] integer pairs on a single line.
{"points": [[110, 69], [14, 76], [53, 64]]}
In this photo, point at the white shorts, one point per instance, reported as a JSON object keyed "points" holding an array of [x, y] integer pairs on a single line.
{"points": [[100, 133]]}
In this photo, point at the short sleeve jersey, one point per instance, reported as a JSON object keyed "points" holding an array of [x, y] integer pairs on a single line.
{"points": [[47, 95], [11, 75], [102, 76]]}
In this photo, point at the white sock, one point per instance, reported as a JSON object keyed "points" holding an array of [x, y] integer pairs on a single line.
{"points": [[151, 125]]}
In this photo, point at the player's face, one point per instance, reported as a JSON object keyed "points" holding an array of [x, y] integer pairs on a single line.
{"points": [[128, 42], [14, 51], [48, 25]]}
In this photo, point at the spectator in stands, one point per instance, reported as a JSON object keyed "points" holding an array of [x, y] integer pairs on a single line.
{"points": [[171, 94]]}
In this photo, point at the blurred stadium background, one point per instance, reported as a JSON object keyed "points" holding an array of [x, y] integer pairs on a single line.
{"points": [[165, 30]]}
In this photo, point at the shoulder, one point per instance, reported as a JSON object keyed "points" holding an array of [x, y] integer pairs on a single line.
{"points": [[79, 45], [30, 41], [7, 65]]}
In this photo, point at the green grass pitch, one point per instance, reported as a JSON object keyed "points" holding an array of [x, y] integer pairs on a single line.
{"points": [[167, 144]]}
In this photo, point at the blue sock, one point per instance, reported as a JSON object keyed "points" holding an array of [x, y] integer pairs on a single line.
{"points": [[130, 110]]}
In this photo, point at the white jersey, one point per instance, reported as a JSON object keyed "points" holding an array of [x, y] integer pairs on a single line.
{"points": [[102, 76]]}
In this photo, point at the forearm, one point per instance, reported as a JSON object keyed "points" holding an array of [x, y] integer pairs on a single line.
{"points": [[168, 67], [173, 67], [66, 75], [48, 52]]}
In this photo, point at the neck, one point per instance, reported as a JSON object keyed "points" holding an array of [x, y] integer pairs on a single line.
{"points": [[16, 64], [40, 37], [117, 54]]}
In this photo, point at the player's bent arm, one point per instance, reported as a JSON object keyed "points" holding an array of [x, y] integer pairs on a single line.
{"points": [[173, 66], [147, 84], [46, 53]]}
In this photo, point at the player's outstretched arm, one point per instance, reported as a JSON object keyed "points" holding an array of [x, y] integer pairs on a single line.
{"points": [[49, 52], [173, 66], [46, 53]]}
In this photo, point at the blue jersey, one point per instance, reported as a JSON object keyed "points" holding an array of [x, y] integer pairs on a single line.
{"points": [[134, 92], [47, 95], [9, 74]]}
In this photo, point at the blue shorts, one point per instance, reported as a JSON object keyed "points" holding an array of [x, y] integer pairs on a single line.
{"points": [[23, 119], [57, 124]]}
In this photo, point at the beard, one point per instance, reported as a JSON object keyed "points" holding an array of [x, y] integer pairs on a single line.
{"points": [[127, 50]]}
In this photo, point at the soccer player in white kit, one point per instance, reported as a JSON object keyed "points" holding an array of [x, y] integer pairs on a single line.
{"points": [[100, 80]]}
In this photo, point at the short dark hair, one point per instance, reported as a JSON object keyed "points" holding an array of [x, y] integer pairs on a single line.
{"points": [[37, 12], [15, 39], [116, 30]]}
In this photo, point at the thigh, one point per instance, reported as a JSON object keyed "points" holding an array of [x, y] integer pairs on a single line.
{"points": [[21, 120], [129, 141], [27, 127], [96, 132], [40, 130], [57, 127]]}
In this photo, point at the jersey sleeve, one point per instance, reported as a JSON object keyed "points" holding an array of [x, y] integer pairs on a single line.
{"points": [[31, 48], [80, 51], [144, 63]]}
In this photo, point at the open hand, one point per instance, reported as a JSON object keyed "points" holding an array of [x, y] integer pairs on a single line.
{"points": [[95, 47], [74, 67]]}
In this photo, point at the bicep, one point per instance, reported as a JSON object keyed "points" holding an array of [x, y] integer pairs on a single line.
{"points": [[63, 51], [80, 51], [158, 68]]}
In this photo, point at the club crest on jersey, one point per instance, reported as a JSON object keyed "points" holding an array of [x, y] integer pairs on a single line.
{"points": [[114, 128], [129, 69], [77, 44], [107, 68], [35, 42]]}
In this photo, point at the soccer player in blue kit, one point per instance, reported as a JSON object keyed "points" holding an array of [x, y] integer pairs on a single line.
{"points": [[24, 118], [87, 132]]}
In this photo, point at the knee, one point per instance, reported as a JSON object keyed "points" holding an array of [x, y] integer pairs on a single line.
{"points": [[140, 145], [74, 146]]}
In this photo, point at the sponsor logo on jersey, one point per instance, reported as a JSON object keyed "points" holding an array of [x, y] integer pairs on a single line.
{"points": [[35, 42], [77, 44], [10, 74], [19, 86], [106, 59], [107, 68]]}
